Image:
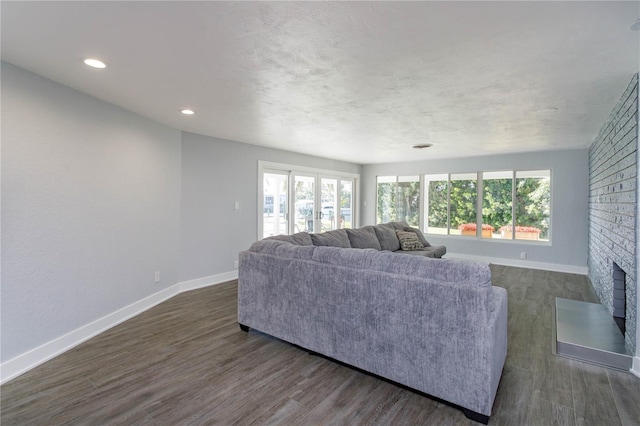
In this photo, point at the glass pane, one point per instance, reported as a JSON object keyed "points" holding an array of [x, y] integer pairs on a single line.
{"points": [[329, 197], [346, 204], [436, 187], [462, 200], [274, 219], [497, 203], [408, 200], [303, 196], [533, 205], [386, 209]]}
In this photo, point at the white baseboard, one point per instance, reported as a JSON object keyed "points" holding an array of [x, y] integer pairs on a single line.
{"points": [[555, 267], [207, 281], [31, 359], [635, 368]]}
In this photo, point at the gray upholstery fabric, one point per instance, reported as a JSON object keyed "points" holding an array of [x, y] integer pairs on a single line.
{"points": [[336, 238], [283, 248], [364, 237], [387, 237], [434, 325], [300, 239], [431, 251], [380, 237], [404, 226]]}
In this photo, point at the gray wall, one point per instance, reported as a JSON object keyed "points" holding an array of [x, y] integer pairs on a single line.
{"points": [[90, 209], [216, 173], [613, 204], [569, 191]]}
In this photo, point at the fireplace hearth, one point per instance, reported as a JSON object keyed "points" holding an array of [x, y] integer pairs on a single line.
{"points": [[587, 332]]}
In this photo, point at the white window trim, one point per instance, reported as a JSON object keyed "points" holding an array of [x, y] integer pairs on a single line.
{"points": [[479, 199], [291, 169]]}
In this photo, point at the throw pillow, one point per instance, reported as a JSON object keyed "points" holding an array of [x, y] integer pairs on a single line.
{"points": [[420, 235], [409, 241]]}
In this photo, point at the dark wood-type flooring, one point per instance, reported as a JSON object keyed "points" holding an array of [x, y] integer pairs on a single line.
{"points": [[186, 362]]}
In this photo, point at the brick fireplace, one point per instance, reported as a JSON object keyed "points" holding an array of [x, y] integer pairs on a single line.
{"points": [[613, 207]]}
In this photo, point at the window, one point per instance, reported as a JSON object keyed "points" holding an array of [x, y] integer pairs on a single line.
{"points": [[398, 199], [519, 200], [295, 199], [274, 210], [497, 202], [346, 204], [436, 197], [533, 205], [463, 197]]}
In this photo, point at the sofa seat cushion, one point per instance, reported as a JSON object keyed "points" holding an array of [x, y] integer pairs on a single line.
{"points": [[363, 238], [431, 251], [336, 238], [387, 237]]}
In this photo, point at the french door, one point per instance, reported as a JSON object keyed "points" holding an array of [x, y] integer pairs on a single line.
{"points": [[322, 203], [275, 206], [294, 201]]}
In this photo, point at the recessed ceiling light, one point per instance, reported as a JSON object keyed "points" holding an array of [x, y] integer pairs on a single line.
{"points": [[636, 25], [422, 146], [95, 63], [187, 111]]}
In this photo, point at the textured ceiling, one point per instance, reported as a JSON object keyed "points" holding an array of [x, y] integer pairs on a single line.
{"points": [[355, 81]]}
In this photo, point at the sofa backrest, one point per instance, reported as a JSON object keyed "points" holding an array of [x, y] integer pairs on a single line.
{"points": [[453, 271], [335, 238], [282, 248], [379, 237]]}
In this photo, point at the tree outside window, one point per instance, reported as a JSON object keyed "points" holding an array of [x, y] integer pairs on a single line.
{"points": [[398, 199]]}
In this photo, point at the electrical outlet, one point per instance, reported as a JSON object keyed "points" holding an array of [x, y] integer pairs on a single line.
{"points": [[235, 264], [523, 255], [157, 277]]}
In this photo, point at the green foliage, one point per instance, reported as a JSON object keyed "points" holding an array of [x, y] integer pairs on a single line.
{"points": [[497, 202], [533, 207], [399, 201], [462, 202], [532, 203], [437, 208]]}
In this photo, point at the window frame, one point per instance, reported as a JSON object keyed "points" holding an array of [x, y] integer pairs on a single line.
{"points": [[424, 209], [293, 170], [400, 179]]}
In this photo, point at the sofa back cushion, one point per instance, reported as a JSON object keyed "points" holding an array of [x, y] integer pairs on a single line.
{"points": [[299, 239], [387, 237], [280, 248], [336, 238], [363, 238]]}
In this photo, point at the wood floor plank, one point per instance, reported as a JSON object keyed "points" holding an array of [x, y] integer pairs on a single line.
{"points": [[186, 361], [626, 388], [593, 399], [546, 413]]}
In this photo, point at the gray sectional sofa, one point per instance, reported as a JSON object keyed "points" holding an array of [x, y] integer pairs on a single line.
{"points": [[378, 237], [434, 325]]}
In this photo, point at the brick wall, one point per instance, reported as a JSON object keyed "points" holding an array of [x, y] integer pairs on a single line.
{"points": [[613, 205]]}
